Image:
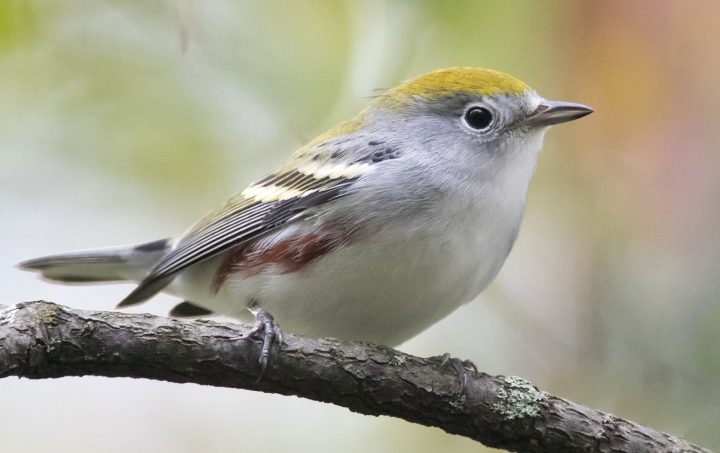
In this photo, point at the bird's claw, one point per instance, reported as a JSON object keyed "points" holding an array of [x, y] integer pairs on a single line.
{"points": [[266, 330], [461, 367]]}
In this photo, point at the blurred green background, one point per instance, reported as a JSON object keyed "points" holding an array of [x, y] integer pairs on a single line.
{"points": [[124, 121]]}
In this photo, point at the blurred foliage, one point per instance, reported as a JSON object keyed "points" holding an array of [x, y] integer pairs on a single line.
{"points": [[122, 120]]}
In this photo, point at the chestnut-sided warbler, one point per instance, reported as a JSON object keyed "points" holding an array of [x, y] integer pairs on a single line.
{"points": [[373, 231]]}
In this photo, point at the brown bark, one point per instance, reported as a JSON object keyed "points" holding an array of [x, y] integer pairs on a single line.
{"points": [[44, 340]]}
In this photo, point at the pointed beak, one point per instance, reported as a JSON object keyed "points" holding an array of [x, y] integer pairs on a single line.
{"points": [[549, 113]]}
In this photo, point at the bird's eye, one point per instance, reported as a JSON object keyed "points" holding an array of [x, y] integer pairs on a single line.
{"points": [[478, 118]]}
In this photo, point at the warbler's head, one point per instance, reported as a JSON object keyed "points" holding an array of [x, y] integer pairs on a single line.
{"points": [[472, 122], [473, 106]]}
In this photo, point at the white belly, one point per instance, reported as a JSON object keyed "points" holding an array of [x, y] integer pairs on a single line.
{"points": [[381, 289]]}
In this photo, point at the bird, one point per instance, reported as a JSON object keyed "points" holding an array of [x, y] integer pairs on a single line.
{"points": [[373, 231]]}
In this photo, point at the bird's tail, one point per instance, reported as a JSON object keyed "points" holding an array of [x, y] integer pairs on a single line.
{"points": [[103, 265]]}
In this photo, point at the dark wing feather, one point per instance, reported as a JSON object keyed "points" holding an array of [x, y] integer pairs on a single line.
{"points": [[315, 174], [189, 310], [236, 223]]}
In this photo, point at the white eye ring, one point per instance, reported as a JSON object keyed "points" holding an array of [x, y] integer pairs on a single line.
{"points": [[478, 118]]}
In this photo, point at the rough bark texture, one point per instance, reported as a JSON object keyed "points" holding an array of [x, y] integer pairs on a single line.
{"points": [[44, 340]]}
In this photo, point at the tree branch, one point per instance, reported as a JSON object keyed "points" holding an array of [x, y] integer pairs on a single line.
{"points": [[44, 340]]}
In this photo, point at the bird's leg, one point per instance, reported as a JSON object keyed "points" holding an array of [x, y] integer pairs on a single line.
{"points": [[461, 367], [266, 330]]}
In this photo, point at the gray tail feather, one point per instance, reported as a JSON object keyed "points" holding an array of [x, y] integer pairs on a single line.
{"points": [[104, 265]]}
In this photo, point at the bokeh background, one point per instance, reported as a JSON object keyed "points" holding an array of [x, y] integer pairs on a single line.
{"points": [[124, 121]]}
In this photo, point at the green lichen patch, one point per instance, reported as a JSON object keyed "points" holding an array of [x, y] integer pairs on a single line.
{"points": [[47, 314], [519, 399]]}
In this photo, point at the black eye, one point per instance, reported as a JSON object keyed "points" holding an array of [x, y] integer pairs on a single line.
{"points": [[478, 117]]}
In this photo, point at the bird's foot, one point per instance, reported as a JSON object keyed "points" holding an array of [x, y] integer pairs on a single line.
{"points": [[266, 330], [462, 367]]}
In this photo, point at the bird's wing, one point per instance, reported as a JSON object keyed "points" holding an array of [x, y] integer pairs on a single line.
{"points": [[266, 205]]}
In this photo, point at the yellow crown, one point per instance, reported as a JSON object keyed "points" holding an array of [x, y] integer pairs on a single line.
{"points": [[444, 82]]}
